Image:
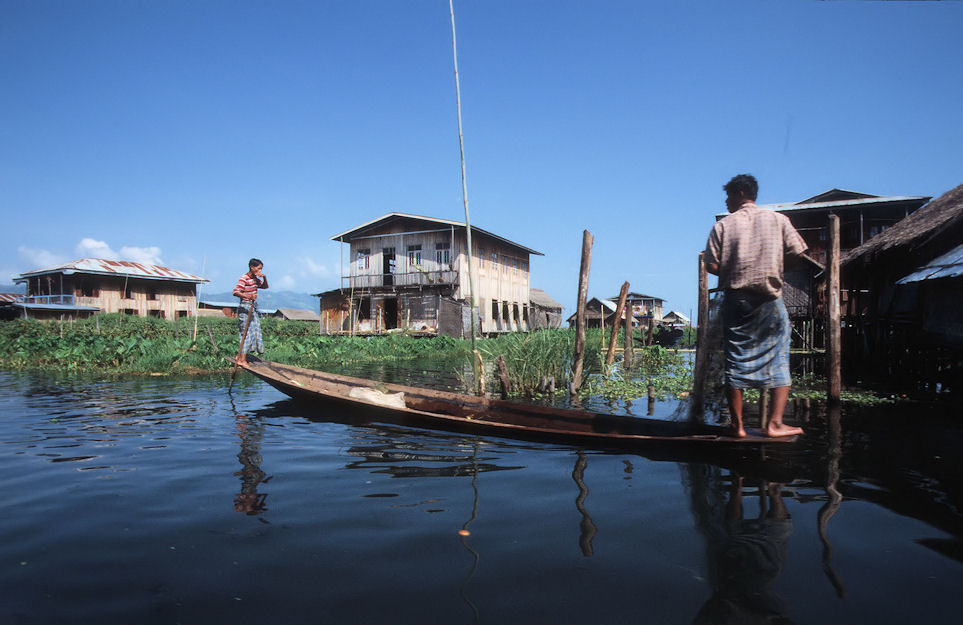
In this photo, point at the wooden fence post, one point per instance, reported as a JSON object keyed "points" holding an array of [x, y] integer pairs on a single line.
{"points": [[583, 278], [610, 355], [833, 338], [627, 354], [702, 343]]}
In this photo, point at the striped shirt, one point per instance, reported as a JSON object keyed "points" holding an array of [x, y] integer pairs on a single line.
{"points": [[750, 246], [246, 286]]}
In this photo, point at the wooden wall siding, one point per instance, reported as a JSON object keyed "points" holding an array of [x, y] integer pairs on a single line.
{"points": [[428, 271], [502, 273], [168, 300]]}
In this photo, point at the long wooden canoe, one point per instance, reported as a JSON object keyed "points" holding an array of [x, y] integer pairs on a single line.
{"points": [[447, 410]]}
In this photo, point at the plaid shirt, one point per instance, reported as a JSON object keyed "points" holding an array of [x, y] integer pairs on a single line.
{"points": [[749, 246]]}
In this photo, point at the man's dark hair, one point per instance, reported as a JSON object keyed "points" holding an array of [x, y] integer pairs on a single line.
{"points": [[254, 262], [744, 184]]}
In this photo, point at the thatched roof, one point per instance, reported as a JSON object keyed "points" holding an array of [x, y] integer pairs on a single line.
{"points": [[542, 299], [917, 238]]}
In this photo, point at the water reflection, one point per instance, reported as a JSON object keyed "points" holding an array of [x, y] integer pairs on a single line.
{"points": [[587, 529], [745, 556], [249, 501], [387, 458]]}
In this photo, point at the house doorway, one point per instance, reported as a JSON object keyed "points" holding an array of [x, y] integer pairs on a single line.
{"points": [[388, 266], [391, 313]]}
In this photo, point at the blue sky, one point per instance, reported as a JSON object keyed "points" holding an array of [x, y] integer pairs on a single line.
{"points": [[198, 134]]}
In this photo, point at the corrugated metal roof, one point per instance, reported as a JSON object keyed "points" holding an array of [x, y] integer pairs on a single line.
{"points": [[8, 298], [347, 234], [784, 207], [296, 314], [949, 265], [115, 267]]}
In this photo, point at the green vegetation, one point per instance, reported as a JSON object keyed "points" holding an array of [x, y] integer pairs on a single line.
{"points": [[127, 344], [530, 358]]}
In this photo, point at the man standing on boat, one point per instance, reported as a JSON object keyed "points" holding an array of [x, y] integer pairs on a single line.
{"points": [[747, 250], [249, 330]]}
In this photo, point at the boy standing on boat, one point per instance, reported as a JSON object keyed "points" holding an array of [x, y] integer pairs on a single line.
{"points": [[249, 330], [747, 250]]}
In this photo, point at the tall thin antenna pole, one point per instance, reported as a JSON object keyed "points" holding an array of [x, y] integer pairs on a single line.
{"points": [[464, 181]]}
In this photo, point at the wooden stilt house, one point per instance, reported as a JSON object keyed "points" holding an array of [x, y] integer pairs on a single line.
{"points": [[90, 285], [411, 272], [902, 322]]}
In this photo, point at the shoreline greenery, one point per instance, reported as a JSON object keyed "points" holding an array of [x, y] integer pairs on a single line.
{"points": [[123, 344]]}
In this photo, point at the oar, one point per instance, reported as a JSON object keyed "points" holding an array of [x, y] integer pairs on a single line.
{"points": [[247, 324]]}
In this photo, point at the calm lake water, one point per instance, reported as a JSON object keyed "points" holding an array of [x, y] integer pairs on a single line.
{"points": [[160, 500]]}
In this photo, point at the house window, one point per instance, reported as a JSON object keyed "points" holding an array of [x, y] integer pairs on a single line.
{"points": [[87, 290], [443, 253], [363, 256], [504, 264], [128, 292], [414, 255], [130, 311], [181, 314], [152, 294], [514, 266], [494, 261], [481, 258], [156, 313], [494, 310]]}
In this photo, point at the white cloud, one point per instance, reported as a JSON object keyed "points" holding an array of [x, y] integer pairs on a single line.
{"points": [[147, 255], [92, 248], [40, 259], [287, 282], [311, 268]]}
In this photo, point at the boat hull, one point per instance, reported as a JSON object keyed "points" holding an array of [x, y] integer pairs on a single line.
{"points": [[468, 413]]}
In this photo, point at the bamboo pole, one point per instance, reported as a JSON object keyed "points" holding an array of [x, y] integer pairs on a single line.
{"points": [[583, 278], [619, 309], [464, 177], [833, 338], [702, 344]]}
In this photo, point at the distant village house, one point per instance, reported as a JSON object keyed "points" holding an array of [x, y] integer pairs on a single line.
{"points": [[645, 309], [91, 285]]}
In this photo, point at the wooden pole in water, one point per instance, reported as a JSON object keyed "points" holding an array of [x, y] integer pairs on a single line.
{"points": [[583, 278], [702, 343], [833, 338], [627, 348], [619, 309], [763, 408]]}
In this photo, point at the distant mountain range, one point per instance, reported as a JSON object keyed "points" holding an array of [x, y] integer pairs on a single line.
{"points": [[269, 299], [13, 288]]}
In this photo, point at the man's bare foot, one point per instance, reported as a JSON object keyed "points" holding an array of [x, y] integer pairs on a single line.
{"points": [[738, 432], [240, 361], [781, 429]]}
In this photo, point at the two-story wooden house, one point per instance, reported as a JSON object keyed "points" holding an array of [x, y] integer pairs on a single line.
{"points": [[90, 285], [412, 272]]}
